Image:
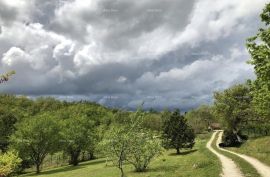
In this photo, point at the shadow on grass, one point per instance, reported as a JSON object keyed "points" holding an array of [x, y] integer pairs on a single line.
{"points": [[184, 152], [162, 169], [69, 168]]}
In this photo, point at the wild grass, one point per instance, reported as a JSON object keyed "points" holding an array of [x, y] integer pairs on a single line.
{"points": [[256, 147]]}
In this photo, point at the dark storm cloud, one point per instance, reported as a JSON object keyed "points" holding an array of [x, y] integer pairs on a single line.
{"points": [[122, 53]]}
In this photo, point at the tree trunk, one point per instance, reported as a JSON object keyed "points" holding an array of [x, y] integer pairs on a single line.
{"points": [[122, 172], [37, 168], [177, 150], [91, 156], [74, 157]]}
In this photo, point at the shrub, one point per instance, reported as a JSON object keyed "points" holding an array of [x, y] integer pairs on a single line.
{"points": [[9, 163]]}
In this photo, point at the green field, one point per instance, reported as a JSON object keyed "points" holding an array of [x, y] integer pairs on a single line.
{"points": [[256, 147], [199, 162]]}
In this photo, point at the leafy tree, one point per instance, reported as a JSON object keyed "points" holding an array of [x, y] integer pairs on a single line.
{"points": [[259, 49], [7, 127], [9, 162], [131, 143], [233, 107], [78, 134], [116, 146], [144, 146], [37, 137], [200, 118], [177, 133]]}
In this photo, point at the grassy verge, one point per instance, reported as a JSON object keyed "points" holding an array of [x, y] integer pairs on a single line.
{"points": [[247, 169], [256, 147], [199, 162]]}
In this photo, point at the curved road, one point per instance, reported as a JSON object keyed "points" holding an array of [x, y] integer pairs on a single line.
{"points": [[229, 168], [262, 169]]}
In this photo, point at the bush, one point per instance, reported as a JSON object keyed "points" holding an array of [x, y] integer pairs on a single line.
{"points": [[232, 139], [9, 163]]}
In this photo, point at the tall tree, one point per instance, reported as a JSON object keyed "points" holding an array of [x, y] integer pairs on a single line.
{"points": [[37, 137], [78, 133], [233, 107], [177, 133], [259, 49]]}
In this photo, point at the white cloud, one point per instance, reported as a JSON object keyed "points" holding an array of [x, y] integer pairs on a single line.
{"points": [[128, 48]]}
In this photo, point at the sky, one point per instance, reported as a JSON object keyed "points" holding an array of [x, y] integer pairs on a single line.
{"points": [[120, 53]]}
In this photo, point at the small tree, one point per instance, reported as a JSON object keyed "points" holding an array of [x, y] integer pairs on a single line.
{"points": [[116, 146], [144, 146], [131, 143], [177, 133], [9, 162], [36, 137]]}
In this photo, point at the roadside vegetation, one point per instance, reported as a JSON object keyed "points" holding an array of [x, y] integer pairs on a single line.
{"points": [[256, 147]]}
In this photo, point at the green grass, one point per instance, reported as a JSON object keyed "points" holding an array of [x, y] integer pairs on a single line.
{"points": [[247, 169], [199, 162], [256, 147]]}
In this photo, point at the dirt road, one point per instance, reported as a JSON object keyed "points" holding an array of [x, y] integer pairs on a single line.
{"points": [[262, 169], [229, 168]]}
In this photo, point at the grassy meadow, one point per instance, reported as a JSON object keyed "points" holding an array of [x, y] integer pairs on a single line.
{"points": [[198, 162]]}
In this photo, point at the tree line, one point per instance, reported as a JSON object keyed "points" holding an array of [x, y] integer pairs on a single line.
{"points": [[32, 129]]}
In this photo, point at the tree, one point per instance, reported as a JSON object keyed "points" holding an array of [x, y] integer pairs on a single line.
{"points": [[37, 137], [233, 107], [9, 162], [144, 146], [259, 49], [7, 127], [177, 133], [78, 134], [131, 143], [200, 118], [116, 146]]}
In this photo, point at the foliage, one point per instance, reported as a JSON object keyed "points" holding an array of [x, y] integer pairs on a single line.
{"points": [[116, 146], [177, 133], [259, 49], [37, 137], [131, 143], [233, 107], [200, 118], [200, 163], [7, 127], [77, 133], [9, 162], [144, 146]]}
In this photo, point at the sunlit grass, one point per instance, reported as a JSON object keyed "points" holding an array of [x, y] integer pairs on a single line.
{"points": [[199, 162], [257, 147]]}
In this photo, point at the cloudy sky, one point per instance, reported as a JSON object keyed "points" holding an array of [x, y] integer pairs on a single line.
{"points": [[167, 53]]}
